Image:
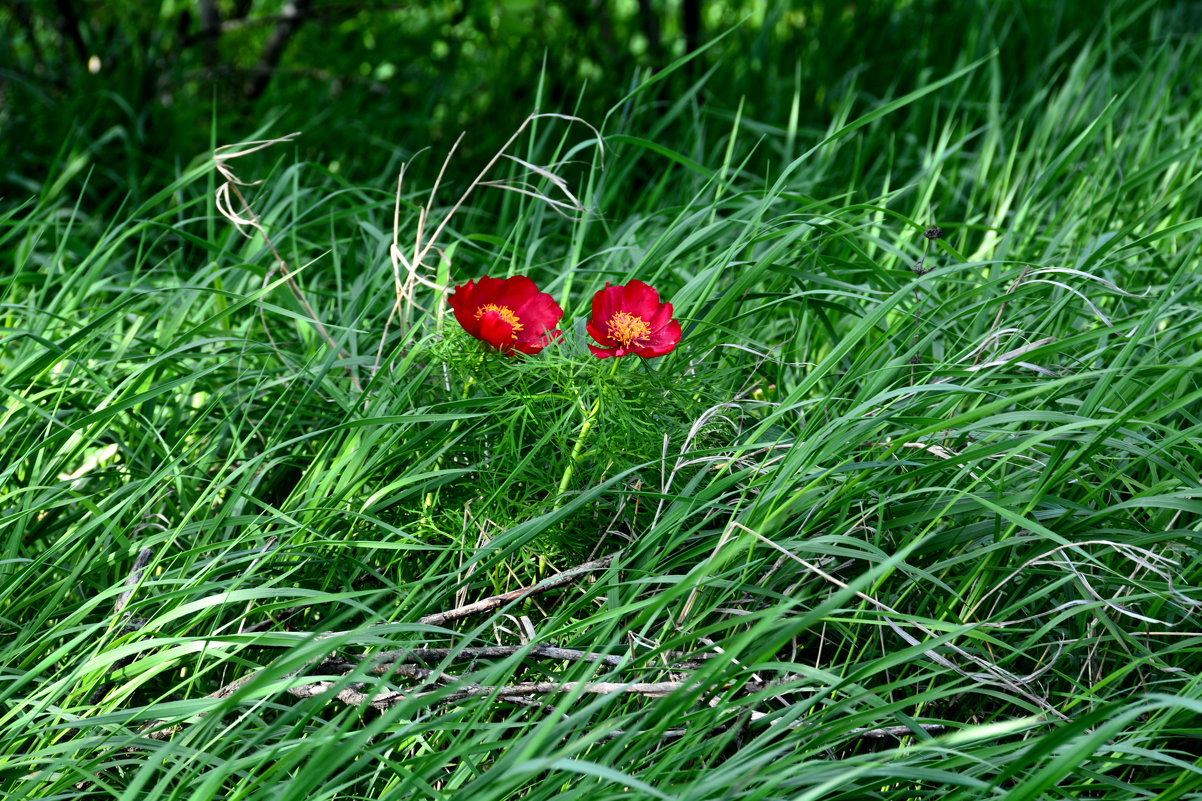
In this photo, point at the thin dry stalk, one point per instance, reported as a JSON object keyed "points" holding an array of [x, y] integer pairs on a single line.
{"points": [[414, 263], [131, 583], [1002, 309], [1142, 558], [432, 656], [866, 733], [991, 674], [247, 218], [1011, 356], [688, 604], [495, 601]]}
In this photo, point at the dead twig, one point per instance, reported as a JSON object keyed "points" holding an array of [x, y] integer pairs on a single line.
{"points": [[248, 218], [864, 732], [264, 625], [129, 624], [131, 581], [353, 694], [430, 656], [1002, 309], [655, 689], [290, 21], [406, 287], [899, 731], [991, 673], [496, 601]]}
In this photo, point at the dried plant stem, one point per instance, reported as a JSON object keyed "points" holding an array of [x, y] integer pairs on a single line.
{"points": [[992, 674], [1002, 309], [495, 601], [428, 501], [131, 583], [406, 287], [296, 290], [383, 662], [247, 217]]}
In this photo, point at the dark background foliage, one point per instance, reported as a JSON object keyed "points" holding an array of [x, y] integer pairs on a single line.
{"points": [[136, 90]]}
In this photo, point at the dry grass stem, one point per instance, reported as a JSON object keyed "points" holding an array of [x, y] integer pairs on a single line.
{"points": [[248, 218], [414, 264]]}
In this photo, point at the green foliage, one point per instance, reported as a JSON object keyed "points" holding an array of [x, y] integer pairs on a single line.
{"points": [[899, 518], [125, 92]]}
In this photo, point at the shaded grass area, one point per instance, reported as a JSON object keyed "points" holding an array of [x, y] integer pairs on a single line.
{"points": [[875, 534]]}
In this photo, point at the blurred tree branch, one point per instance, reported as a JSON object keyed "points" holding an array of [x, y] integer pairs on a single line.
{"points": [[210, 29], [68, 26], [651, 29], [690, 15], [26, 22], [290, 21], [241, 9]]}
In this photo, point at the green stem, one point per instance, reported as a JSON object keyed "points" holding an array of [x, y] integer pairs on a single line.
{"points": [[578, 449], [428, 501]]}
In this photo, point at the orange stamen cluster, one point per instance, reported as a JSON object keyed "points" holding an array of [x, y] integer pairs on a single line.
{"points": [[505, 312], [627, 328]]}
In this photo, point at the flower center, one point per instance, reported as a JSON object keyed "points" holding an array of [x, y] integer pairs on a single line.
{"points": [[627, 328], [504, 312]]}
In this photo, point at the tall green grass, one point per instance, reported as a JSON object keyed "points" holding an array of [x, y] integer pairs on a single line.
{"points": [[874, 533]]}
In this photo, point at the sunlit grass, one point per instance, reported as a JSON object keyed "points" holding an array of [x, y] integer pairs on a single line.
{"points": [[900, 517]]}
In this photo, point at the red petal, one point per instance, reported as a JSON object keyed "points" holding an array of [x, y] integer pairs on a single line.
{"points": [[606, 302], [486, 287], [640, 299], [533, 346], [537, 312], [528, 348], [669, 333], [661, 318], [538, 315], [662, 341], [598, 333], [495, 331], [464, 305], [512, 292]]}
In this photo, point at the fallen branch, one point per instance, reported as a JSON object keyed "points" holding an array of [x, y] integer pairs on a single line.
{"points": [[131, 581], [357, 694], [899, 731], [496, 601], [128, 624], [653, 689], [354, 694], [263, 625], [289, 22], [431, 656], [481, 607], [865, 732], [433, 687]]}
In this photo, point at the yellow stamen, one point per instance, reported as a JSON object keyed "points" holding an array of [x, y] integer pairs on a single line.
{"points": [[506, 314], [627, 329]]}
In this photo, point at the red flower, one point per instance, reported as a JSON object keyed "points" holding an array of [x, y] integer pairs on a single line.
{"points": [[508, 313], [630, 319]]}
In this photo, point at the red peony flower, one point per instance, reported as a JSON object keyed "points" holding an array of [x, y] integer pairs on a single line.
{"points": [[630, 319], [508, 313]]}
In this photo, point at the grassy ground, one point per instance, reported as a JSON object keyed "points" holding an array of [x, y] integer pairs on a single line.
{"points": [[901, 517]]}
